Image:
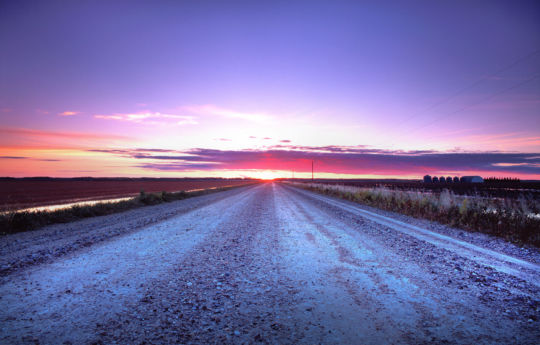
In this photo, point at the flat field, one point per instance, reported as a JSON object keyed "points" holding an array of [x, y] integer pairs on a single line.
{"points": [[22, 193]]}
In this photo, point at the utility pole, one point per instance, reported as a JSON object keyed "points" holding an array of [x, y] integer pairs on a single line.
{"points": [[312, 171]]}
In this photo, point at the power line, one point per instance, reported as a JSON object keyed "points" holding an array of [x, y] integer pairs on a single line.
{"points": [[466, 88], [515, 86]]}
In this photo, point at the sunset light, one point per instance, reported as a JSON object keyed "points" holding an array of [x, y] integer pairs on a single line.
{"points": [[270, 172], [272, 97]]}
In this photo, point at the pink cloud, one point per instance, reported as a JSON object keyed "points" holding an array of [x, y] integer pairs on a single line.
{"points": [[68, 113], [507, 140], [209, 109], [24, 137], [150, 118]]}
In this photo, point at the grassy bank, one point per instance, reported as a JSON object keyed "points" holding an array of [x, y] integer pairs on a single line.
{"points": [[514, 219], [13, 222]]}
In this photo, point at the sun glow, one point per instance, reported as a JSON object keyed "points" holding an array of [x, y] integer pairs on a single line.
{"points": [[267, 175]]}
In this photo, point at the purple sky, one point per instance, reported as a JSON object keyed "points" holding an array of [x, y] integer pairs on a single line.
{"points": [[81, 78]]}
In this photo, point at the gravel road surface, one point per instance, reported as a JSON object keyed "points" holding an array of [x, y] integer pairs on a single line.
{"points": [[267, 264]]}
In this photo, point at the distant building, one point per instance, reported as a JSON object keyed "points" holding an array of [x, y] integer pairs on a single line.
{"points": [[455, 179], [471, 179]]}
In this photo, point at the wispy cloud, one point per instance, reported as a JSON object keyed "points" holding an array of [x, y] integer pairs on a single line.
{"points": [[534, 165], [40, 139], [77, 171], [68, 113], [12, 157], [35, 159], [209, 109], [505, 140], [150, 118], [285, 141], [50, 134]]}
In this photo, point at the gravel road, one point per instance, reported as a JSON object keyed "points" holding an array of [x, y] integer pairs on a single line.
{"points": [[268, 264]]}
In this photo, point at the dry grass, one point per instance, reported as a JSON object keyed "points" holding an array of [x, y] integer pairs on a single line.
{"points": [[517, 219]]}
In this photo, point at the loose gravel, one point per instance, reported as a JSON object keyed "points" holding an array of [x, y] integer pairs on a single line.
{"points": [[267, 264]]}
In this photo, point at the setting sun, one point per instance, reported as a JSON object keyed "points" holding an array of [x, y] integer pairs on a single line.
{"points": [[267, 175]]}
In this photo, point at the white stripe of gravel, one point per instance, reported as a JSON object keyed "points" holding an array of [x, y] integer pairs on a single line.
{"points": [[498, 261]]}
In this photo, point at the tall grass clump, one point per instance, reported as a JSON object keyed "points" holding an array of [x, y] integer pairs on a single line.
{"points": [[515, 219]]}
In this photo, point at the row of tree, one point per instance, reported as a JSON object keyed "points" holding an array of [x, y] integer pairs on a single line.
{"points": [[502, 180]]}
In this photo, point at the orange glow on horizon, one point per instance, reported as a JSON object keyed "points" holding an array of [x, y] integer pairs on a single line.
{"points": [[77, 162]]}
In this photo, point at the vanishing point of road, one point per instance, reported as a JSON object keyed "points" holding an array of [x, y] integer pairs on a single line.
{"points": [[265, 264]]}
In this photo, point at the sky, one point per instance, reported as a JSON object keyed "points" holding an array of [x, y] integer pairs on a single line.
{"points": [[364, 89]]}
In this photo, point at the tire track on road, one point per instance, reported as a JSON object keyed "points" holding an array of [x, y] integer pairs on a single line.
{"points": [[337, 286], [527, 271], [442, 313], [228, 290]]}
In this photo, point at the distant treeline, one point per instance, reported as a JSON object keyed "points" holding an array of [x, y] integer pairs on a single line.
{"points": [[45, 178], [502, 180]]}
